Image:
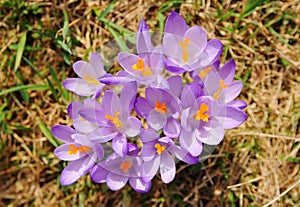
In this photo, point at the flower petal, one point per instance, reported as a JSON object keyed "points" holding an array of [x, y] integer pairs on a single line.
{"points": [[142, 107], [96, 62], [175, 24], [103, 134], [79, 86], [233, 90], [215, 133], [127, 96], [237, 104], [172, 128], [150, 168], [139, 185], [98, 174], [148, 135], [133, 126], [116, 182], [119, 144], [143, 40], [230, 117], [189, 142], [167, 167], [211, 53], [198, 39], [175, 85], [148, 151], [62, 152], [227, 71], [183, 155], [156, 120], [63, 133]]}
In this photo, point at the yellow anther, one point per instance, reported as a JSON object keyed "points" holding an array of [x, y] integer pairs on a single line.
{"points": [[203, 73], [159, 148], [161, 107], [200, 114], [125, 166], [90, 79], [115, 120], [81, 118], [221, 87], [184, 45], [83, 149], [140, 66]]}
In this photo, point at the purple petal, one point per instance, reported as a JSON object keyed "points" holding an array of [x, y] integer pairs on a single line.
{"points": [[189, 142], [73, 109], [167, 167], [103, 134], [133, 126], [183, 155], [211, 53], [84, 126], [83, 68], [175, 85], [185, 120], [99, 174], [76, 169], [172, 67], [127, 60], [79, 86], [98, 150], [231, 117], [139, 185], [62, 152], [175, 24], [172, 128], [96, 62], [148, 135], [198, 39], [148, 151], [233, 90], [119, 144], [127, 97], [143, 40], [188, 98], [116, 182], [150, 168], [156, 120], [63, 133], [142, 107], [237, 104], [94, 116], [215, 133], [227, 71], [119, 78]]}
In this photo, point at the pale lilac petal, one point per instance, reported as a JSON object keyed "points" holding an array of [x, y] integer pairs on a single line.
{"points": [[185, 120], [183, 155], [62, 152], [76, 169], [116, 182], [167, 167], [119, 145], [96, 62], [211, 53], [231, 117], [233, 90], [133, 126], [103, 134], [107, 101], [119, 78], [237, 104], [143, 40], [227, 71], [127, 60], [82, 68], [150, 168], [99, 174], [79, 86], [172, 127], [73, 109], [175, 24], [148, 135], [148, 151], [173, 67], [198, 39], [156, 120], [189, 141], [215, 133], [175, 85], [188, 98], [127, 96], [172, 49], [142, 107], [133, 149], [94, 116], [139, 185], [84, 126], [63, 133], [98, 149]]}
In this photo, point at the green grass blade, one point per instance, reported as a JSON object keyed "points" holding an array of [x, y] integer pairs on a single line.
{"points": [[20, 51], [65, 30], [251, 6], [118, 39], [46, 131], [24, 87], [33, 68], [107, 10]]}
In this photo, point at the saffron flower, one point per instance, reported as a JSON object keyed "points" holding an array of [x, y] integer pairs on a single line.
{"points": [[82, 153], [187, 48], [87, 84]]}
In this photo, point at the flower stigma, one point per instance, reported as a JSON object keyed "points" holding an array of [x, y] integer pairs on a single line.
{"points": [[125, 166], [184, 44], [203, 73], [159, 148], [83, 149], [161, 107], [90, 79], [115, 120], [140, 66], [200, 114], [221, 87]]}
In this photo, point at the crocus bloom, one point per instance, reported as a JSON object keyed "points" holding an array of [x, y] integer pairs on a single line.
{"points": [[161, 109], [87, 84], [79, 123], [114, 118], [187, 48], [116, 171], [79, 150], [156, 153], [145, 68]]}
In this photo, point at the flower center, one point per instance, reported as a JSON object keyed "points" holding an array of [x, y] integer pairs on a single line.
{"points": [[200, 114], [161, 107], [125, 166], [203, 73], [221, 87], [184, 44], [90, 79], [83, 149], [159, 148], [140, 66], [115, 120]]}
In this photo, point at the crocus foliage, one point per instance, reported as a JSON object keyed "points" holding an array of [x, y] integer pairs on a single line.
{"points": [[174, 100]]}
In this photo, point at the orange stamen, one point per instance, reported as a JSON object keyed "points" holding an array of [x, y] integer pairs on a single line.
{"points": [[159, 148], [83, 149], [161, 107], [200, 114], [184, 44], [90, 79], [221, 87], [115, 120], [140, 66], [203, 73], [125, 166]]}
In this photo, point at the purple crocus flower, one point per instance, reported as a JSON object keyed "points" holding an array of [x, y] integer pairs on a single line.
{"points": [[145, 68], [87, 84], [114, 118], [157, 154], [161, 110], [203, 119], [79, 150], [116, 171], [79, 123], [187, 48]]}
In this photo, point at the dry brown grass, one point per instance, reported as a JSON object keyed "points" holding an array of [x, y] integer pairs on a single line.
{"points": [[257, 164]]}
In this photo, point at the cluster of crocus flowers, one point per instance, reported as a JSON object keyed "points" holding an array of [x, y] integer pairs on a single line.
{"points": [[175, 99]]}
